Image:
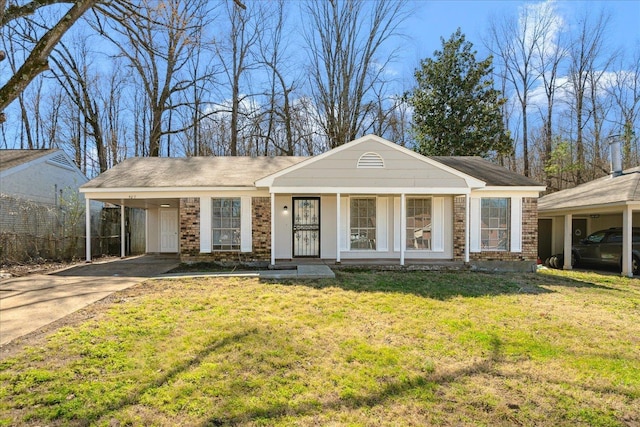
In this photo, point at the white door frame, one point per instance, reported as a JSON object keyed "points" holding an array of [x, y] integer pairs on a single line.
{"points": [[169, 238]]}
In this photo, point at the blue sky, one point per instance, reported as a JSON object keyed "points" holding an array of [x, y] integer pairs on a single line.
{"points": [[431, 20]]}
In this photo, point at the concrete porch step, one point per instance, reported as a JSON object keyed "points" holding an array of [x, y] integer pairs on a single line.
{"points": [[316, 271]]}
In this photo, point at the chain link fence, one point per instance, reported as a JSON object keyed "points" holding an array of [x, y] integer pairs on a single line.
{"points": [[31, 231]]}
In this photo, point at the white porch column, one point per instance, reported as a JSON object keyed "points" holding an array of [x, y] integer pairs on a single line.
{"points": [[122, 236], [87, 219], [467, 222], [403, 227], [338, 226], [273, 229], [627, 239], [568, 235]]}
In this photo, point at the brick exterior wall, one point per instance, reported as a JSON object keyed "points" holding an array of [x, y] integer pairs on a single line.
{"points": [[529, 234], [261, 235], [189, 226]]}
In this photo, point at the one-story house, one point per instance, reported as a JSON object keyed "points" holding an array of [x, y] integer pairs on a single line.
{"points": [[53, 170], [570, 215], [369, 199]]}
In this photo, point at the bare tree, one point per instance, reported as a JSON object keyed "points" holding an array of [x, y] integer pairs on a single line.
{"points": [[343, 41], [72, 72], [551, 52], [157, 42], [584, 53], [36, 62], [517, 41], [625, 92], [236, 56]]}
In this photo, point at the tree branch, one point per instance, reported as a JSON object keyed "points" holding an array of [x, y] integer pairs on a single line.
{"points": [[36, 63]]}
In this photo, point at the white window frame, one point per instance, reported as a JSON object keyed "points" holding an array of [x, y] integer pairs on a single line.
{"points": [[431, 209], [374, 227], [234, 247], [507, 221]]}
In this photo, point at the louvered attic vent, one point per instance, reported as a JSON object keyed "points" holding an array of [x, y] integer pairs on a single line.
{"points": [[61, 160], [371, 161]]}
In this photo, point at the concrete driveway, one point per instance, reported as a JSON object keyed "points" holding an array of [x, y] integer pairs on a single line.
{"points": [[30, 302]]}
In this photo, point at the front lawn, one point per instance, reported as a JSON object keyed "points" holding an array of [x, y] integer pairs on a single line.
{"points": [[393, 348]]}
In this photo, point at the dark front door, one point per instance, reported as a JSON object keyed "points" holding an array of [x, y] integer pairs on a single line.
{"points": [[306, 227]]}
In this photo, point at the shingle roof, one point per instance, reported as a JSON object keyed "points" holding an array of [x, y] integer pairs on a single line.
{"points": [[158, 172], [484, 170], [602, 191], [13, 158]]}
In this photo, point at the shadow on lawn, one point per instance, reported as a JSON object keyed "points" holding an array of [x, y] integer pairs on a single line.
{"points": [[214, 345], [427, 383], [446, 285]]}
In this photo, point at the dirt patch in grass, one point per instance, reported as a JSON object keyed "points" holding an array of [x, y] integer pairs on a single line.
{"points": [[379, 348]]}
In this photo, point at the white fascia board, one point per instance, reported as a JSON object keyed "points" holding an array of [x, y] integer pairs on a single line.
{"points": [[370, 190], [617, 207], [174, 191], [472, 182], [508, 192], [530, 188]]}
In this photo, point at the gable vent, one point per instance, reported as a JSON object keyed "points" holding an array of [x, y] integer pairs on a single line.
{"points": [[371, 161], [61, 160]]}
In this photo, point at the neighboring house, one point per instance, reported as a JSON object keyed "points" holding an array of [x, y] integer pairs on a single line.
{"points": [[41, 211], [369, 199], [40, 176], [570, 215]]}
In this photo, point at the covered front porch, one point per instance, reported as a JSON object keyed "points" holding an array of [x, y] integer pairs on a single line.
{"points": [[364, 228]]}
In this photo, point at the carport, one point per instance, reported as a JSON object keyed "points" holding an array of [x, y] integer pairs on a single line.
{"points": [[570, 215]]}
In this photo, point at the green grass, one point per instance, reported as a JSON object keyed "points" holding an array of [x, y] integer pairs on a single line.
{"points": [[370, 348]]}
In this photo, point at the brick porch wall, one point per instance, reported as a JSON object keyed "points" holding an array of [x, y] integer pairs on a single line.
{"points": [[190, 234], [189, 226], [529, 234]]}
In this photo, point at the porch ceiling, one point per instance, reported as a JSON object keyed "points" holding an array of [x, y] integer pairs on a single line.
{"points": [[142, 203]]}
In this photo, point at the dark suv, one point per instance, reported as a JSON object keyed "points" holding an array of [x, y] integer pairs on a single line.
{"points": [[604, 247]]}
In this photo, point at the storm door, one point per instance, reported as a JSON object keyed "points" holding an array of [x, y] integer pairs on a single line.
{"points": [[306, 227]]}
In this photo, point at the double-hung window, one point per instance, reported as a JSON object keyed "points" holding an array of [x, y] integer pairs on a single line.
{"points": [[226, 224], [363, 223], [495, 223], [419, 223]]}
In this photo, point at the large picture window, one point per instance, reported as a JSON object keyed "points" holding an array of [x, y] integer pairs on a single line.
{"points": [[419, 222], [363, 223], [494, 223], [226, 224]]}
